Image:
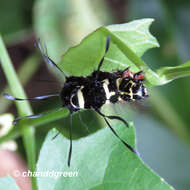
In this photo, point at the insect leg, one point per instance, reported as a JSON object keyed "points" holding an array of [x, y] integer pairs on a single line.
{"points": [[107, 47], [113, 117], [70, 148], [9, 97], [114, 132]]}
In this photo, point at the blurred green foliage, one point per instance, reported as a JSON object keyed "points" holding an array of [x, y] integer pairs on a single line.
{"points": [[15, 16]]}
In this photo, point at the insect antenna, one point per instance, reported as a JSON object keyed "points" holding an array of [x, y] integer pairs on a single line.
{"points": [[47, 59], [70, 148], [9, 97], [107, 47]]}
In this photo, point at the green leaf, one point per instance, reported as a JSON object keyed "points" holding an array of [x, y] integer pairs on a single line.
{"points": [[128, 43], [8, 183], [101, 160], [135, 36], [170, 73]]}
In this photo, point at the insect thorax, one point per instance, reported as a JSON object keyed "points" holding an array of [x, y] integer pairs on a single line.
{"points": [[93, 91]]}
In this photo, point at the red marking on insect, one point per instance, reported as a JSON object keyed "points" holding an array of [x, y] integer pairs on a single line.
{"points": [[127, 74], [122, 101], [139, 76]]}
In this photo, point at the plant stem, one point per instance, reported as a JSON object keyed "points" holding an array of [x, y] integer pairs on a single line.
{"points": [[22, 107], [25, 72]]}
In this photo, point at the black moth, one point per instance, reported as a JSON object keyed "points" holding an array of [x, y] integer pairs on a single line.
{"points": [[95, 90]]}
